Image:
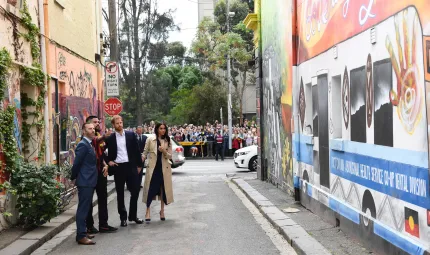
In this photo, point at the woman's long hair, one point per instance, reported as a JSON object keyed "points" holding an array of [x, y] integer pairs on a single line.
{"points": [[166, 135]]}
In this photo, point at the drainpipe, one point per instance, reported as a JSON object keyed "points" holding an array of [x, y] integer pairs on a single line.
{"points": [[43, 60], [99, 68], [263, 159], [48, 104]]}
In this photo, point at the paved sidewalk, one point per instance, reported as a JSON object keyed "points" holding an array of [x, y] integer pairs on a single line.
{"points": [[305, 231], [31, 241]]}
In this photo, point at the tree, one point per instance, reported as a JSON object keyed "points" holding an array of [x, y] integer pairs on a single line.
{"points": [[163, 54], [142, 27], [199, 104], [164, 84], [214, 44]]}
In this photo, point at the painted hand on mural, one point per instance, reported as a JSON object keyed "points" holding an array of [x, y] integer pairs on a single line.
{"points": [[408, 96]]}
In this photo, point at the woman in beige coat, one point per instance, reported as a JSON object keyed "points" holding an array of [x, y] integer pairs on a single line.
{"points": [[158, 177]]}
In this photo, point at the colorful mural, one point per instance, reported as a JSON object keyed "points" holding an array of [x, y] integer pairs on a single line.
{"points": [[277, 87], [78, 98], [354, 110]]}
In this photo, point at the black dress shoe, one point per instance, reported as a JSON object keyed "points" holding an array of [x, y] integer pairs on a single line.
{"points": [[123, 223], [107, 229], [92, 230], [137, 220]]}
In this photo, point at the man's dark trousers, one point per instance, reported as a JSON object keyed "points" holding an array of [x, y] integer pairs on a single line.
{"points": [[125, 174], [219, 151], [85, 196], [101, 190]]}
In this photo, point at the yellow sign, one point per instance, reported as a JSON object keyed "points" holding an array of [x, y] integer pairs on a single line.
{"points": [[191, 143]]}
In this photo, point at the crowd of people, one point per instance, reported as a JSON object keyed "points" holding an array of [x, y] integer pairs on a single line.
{"points": [[242, 136]]}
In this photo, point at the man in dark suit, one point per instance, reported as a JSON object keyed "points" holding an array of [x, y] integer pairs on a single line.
{"points": [[125, 163], [101, 187], [84, 171], [141, 141]]}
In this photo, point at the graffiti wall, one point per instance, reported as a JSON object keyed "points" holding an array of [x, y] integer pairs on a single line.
{"points": [[356, 107], [12, 97], [78, 96], [277, 87]]}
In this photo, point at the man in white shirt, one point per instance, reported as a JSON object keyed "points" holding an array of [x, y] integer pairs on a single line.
{"points": [[125, 163]]}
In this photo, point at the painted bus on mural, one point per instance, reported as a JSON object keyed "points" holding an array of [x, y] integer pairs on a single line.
{"points": [[361, 105]]}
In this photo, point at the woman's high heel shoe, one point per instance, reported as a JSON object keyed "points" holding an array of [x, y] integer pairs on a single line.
{"points": [[162, 218], [148, 219]]}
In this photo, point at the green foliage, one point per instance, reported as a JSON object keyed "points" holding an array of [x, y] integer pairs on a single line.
{"points": [[36, 78], [7, 138], [240, 9], [199, 104], [38, 193], [214, 42], [5, 62], [32, 35]]}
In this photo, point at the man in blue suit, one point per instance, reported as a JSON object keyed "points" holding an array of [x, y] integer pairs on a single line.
{"points": [[84, 171]]}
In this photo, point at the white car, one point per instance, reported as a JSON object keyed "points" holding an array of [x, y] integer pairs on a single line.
{"points": [[247, 158], [178, 158]]}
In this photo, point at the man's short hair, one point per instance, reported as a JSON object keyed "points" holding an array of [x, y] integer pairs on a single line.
{"points": [[114, 118], [85, 124], [139, 127], [90, 118]]}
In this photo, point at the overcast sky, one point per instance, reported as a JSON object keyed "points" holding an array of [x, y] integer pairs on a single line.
{"points": [[186, 17]]}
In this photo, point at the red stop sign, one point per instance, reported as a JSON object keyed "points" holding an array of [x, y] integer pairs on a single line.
{"points": [[113, 106]]}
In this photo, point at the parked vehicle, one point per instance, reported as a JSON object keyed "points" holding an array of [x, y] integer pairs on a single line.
{"points": [[178, 158], [246, 158]]}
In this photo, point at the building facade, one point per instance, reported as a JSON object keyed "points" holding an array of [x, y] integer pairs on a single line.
{"points": [[345, 113], [60, 39], [76, 87], [206, 8], [15, 18]]}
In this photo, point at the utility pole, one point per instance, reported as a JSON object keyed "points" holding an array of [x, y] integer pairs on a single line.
{"points": [[222, 123], [113, 31], [229, 84]]}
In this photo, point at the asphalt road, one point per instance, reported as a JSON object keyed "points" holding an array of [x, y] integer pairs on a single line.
{"points": [[209, 216]]}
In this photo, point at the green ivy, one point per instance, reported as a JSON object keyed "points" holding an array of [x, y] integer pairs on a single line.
{"points": [[5, 63], [36, 78], [39, 193], [32, 77], [7, 138], [32, 35]]}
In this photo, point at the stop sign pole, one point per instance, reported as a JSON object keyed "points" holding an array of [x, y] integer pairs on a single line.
{"points": [[113, 106]]}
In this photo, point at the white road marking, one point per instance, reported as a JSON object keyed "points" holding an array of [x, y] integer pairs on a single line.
{"points": [[281, 244]]}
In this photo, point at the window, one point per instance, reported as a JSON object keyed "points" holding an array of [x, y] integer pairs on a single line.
{"points": [[336, 107], [383, 79], [358, 105], [315, 107]]}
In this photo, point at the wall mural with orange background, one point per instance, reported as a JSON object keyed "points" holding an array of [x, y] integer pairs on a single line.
{"points": [[382, 94]]}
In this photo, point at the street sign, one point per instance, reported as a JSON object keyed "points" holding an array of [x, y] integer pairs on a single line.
{"points": [[112, 79], [113, 106]]}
